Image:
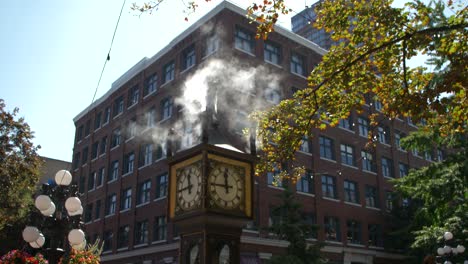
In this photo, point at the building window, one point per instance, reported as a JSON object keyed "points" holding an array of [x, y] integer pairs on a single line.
{"points": [[87, 127], [244, 40], [97, 121], [118, 106], [91, 180], [146, 155], [100, 177], [375, 235], [354, 232], [76, 160], [97, 210], [440, 155], [310, 220], [187, 136], [398, 136], [188, 57], [113, 171], [116, 138], [378, 105], [103, 145], [160, 228], [272, 52], [351, 191], [428, 155], [133, 95], [363, 126], [329, 187], [161, 152], [166, 108], [150, 117], [332, 228], [144, 190], [129, 161], [169, 72], [305, 145], [84, 155], [126, 199], [347, 154], [372, 198], [274, 179], [389, 200], [161, 186], [82, 184], [387, 168], [403, 169], [326, 148], [79, 133], [95, 150], [141, 232], [107, 113], [108, 238], [151, 84], [306, 183], [272, 96], [88, 215], [298, 64], [131, 129], [212, 45], [383, 135], [346, 123], [368, 163], [122, 236], [111, 203]]}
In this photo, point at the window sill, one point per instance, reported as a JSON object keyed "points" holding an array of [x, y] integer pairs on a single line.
{"points": [[114, 147], [347, 130], [107, 252], [97, 220], [122, 249], [376, 247], [353, 204], [144, 166], [144, 244], [165, 119], [388, 178], [350, 166], [97, 129], [119, 114], [127, 174], [331, 199], [187, 69], [274, 64], [299, 75], [333, 242], [245, 51], [151, 93], [159, 198], [99, 186], [94, 159], [373, 208], [133, 105], [209, 54], [250, 231], [305, 153], [159, 241], [111, 181], [275, 187], [102, 155], [356, 245], [91, 190], [306, 194], [330, 160], [124, 210], [370, 172], [166, 83], [129, 139], [142, 204], [109, 215]]}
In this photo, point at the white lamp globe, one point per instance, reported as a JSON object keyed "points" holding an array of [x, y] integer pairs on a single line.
{"points": [[49, 211], [80, 246], [76, 236], [39, 242], [460, 248], [448, 235], [454, 251], [63, 177], [30, 234], [440, 251], [72, 204], [447, 262], [43, 202], [447, 249], [77, 212]]}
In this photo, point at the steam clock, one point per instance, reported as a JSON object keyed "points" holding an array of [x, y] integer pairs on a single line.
{"points": [[210, 200]]}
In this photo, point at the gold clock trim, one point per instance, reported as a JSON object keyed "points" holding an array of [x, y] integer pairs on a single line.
{"points": [[247, 181], [173, 181]]}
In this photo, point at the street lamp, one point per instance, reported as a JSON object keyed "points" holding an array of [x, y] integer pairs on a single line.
{"points": [[449, 250], [60, 217]]}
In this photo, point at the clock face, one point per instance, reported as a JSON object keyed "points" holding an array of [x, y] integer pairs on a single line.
{"points": [[189, 186], [226, 185]]}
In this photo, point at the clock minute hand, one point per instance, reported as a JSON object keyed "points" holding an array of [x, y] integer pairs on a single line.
{"points": [[226, 186]]}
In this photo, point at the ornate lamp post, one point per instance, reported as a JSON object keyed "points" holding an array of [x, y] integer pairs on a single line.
{"points": [[60, 217], [449, 250]]}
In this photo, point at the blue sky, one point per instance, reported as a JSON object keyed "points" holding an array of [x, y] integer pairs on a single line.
{"points": [[53, 51]]}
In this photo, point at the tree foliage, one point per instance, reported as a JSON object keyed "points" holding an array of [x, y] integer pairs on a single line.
{"points": [[19, 169], [289, 224]]}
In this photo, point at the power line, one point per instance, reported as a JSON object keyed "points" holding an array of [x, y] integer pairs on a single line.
{"points": [[108, 53]]}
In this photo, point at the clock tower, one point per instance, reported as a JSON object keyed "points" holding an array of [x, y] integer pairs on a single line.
{"points": [[210, 201]]}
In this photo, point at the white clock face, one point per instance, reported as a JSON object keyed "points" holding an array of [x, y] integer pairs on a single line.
{"points": [[189, 186], [226, 185]]}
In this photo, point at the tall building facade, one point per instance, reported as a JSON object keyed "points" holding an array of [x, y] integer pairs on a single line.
{"points": [[120, 151], [302, 25]]}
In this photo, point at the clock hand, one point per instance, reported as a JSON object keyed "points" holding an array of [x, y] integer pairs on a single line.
{"points": [[189, 186], [226, 186]]}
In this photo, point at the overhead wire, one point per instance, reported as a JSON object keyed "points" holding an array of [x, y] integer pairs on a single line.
{"points": [[108, 53]]}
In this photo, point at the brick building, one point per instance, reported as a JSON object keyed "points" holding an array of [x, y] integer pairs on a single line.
{"points": [[120, 148]]}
